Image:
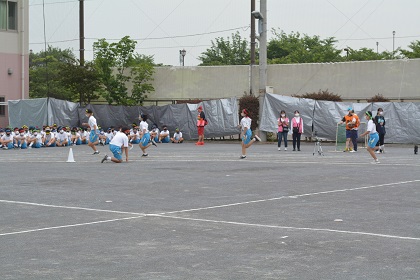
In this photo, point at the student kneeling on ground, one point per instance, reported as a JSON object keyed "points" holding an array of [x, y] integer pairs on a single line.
{"points": [[118, 143]]}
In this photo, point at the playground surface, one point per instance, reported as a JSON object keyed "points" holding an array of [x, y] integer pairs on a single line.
{"points": [[200, 212]]}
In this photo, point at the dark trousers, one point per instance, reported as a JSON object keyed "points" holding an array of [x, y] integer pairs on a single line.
{"points": [[354, 138], [296, 140], [281, 135], [381, 139]]}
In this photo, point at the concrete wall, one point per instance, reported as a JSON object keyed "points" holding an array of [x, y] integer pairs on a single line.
{"points": [[353, 81], [14, 55]]}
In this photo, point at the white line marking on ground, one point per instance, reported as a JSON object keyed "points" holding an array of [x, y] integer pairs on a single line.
{"points": [[68, 226], [70, 207], [291, 228], [291, 196]]}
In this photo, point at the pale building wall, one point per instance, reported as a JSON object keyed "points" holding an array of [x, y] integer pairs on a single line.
{"points": [[394, 79], [14, 55]]}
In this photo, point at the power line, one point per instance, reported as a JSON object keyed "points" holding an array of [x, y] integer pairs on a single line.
{"points": [[156, 38]]}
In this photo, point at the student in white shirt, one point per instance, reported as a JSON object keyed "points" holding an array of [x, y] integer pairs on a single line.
{"points": [[118, 144], [49, 138], [35, 140], [246, 133], [62, 138], [7, 139], [94, 132], [373, 136], [145, 139], [177, 136], [164, 135], [19, 139]]}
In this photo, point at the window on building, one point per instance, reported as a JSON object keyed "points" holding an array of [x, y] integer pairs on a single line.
{"points": [[2, 107], [8, 15]]}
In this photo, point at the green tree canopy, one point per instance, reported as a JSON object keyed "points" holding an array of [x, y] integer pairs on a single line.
{"points": [[228, 51], [117, 65], [364, 54], [44, 73], [294, 48], [415, 50]]}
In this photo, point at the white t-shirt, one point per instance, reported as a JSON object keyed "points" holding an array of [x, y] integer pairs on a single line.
{"points": [[92, 122], [38, 137], [246, 122], [178, 135], [7, 138], [61, 136], [144, 127], [120, 140], [135, 135], [109, 135], [371, 127], [163, 132]]}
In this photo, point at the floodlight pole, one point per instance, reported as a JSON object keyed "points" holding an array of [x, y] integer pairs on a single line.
{"points": [[252, 62], [263, 48], [81, 32]]}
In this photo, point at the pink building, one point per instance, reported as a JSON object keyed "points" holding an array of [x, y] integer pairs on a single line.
{"points": [[14, 54]]}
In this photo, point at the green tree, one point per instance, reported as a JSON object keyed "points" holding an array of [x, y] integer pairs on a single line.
{"points": [[294, 48], [44, 73], [117, 65], [228, 51], [364, 54], [415, 50], [82, 81]]}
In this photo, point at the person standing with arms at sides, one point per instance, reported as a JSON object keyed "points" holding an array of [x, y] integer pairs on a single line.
{"points": [[380, 128], [145, 138], [373, 136], [246, 133], [94, 132], [201, 122], [297, 126], [118, 144], [283, 123]]}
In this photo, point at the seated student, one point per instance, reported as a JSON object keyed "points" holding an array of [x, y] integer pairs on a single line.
{"points": [[109, 135], [62, 139], [102, 137], [35, 140], [49, 138], [75, 136], [1, 135], [134, 137], [164, 135], [154, 133], [19, 140], [7, 139], [83, 135], [177, 137]]}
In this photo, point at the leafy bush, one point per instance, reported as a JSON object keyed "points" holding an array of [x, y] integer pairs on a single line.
{"points": [[378, 98], [252, 105], [320, 95]]}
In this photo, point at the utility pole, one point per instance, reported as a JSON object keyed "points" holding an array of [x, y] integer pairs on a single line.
{"points": [[251, 66], [263, 48], [82, 32]]}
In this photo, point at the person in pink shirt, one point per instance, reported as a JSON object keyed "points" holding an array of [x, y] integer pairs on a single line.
{"points": [[283, 129], [297, 126]]}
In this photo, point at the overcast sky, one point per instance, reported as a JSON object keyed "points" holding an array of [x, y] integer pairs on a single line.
{"points": [[163, 27]]}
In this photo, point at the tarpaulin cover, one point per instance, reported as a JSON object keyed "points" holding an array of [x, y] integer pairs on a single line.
{"points": [[222, 115], [402, 119]]}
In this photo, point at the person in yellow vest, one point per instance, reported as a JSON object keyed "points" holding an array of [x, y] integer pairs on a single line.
{"points": [[352, 122], [201, 122]]}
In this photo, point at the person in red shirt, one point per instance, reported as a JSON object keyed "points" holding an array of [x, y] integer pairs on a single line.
{"points": [[201, 122]]}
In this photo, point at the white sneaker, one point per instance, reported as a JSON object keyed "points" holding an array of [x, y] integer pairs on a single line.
{"points": [[353, 151], [285, 149], [377, 152], [376, 161], [279, 149]]}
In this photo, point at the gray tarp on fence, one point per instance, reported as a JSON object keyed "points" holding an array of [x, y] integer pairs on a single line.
{"points": [[222, 115], [402, 119]]}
